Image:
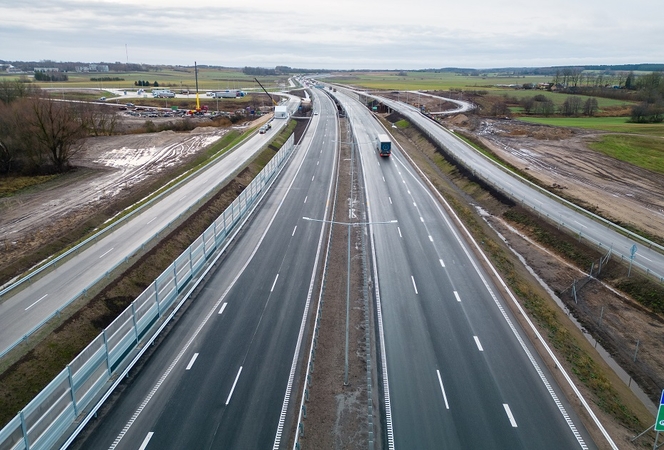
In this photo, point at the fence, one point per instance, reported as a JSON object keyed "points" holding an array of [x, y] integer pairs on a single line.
{"points": [[42, 423]]}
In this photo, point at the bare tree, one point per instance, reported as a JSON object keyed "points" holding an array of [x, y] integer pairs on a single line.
{"points": [[590, 107], [571, 106], [98, 120], [57, 128]]}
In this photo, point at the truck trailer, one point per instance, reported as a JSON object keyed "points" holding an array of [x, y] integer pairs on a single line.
{"points": [[383, 145]]}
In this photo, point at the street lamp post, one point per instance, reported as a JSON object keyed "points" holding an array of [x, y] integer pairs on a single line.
{"points": [[349, 225]]}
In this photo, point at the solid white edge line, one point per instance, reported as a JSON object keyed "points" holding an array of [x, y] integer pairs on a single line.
{"points": [[230, 394], [414, 285], [508, 411], [456, 295], [222, 308], [538, 335], [146, 441], [151, 220], [442, 389], [192, 361], [274, 282], [477, 341]]}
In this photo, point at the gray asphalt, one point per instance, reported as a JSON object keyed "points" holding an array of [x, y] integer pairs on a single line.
{"points": [[232, 395], [460, 372]]}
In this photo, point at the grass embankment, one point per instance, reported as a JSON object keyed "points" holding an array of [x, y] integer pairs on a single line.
{"points": [[560, 332], [23, 380], [10, 186], [612, 124]]}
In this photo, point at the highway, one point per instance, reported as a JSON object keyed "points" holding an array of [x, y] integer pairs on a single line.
{"points": [[457, 371], [22, 311], [222, 377], [588, 227]]}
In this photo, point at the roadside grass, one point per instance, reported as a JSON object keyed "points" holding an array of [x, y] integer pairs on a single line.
{"points": [[642, 151], [25, 378], [613, 124], [13, 185], [557, 98]]}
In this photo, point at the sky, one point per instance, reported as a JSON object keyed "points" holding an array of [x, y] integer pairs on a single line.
{"points": [[339, 34]]}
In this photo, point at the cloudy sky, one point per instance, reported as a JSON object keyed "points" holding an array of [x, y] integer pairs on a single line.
{"points": [[339, 34]]}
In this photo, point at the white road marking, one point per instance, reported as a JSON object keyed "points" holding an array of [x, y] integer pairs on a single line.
{"points": [[317, 162], [312, 178], [645, 258], [456, 295], [441, 262], [383, 179], [305, 199], [399, 230], [477, 341], [414, 285], [274, 283], [581, 224], [415, 204], [106, 253], [421, 219], [442, 389], [151, 220], [230, 394], [192, 361], [430, 238], [390, 199], [222, 308], [45, 295], [509, 414], [294, 231], [144, 445]]}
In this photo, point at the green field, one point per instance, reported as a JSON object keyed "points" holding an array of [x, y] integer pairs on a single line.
{"points": [[642, 151], [184, 78], [613, 124], [429, 80], [557, 98]]}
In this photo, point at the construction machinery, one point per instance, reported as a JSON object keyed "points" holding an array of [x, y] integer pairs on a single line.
{"points": [[266, 92]]}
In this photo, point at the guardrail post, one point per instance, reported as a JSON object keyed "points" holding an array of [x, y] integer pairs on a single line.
{"points": [[191, 261], [156, 296], [24, 430], [108, 356], [175, 275], [133, 319], [71, 390]]}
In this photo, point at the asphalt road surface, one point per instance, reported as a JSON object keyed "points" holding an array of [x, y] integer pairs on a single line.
{"points": [[458, 371], [222, 378]]}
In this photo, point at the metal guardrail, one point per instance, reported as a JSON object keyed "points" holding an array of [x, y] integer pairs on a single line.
{"points": [[82, 245], [42, 423]]}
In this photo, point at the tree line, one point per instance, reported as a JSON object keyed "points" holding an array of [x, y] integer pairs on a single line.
{"points": [[39, 134]]}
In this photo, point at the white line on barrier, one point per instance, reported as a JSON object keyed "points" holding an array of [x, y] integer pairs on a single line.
{"points": [[45, 295], [230, 394], [442, 389]]}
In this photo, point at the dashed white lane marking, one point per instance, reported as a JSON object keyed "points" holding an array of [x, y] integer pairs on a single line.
{"points": [[274, 282], [509, 414], [414, 285], [421, 219], [151, 220], [192, 361], [230, 394], [43, 297], [441, 262], [146, 441], [430, 238], [305, 199], [456, 295], [477, 341], [390, 199], [109, 251], [399, 230], [442, 389], [383, 179], [293, 234], [221, 310]]}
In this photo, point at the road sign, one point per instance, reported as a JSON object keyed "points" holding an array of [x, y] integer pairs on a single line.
{"points": [[659, 424]]}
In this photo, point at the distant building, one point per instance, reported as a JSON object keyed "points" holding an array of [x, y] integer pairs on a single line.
{"points": [[92, 68], [47, 69]]}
